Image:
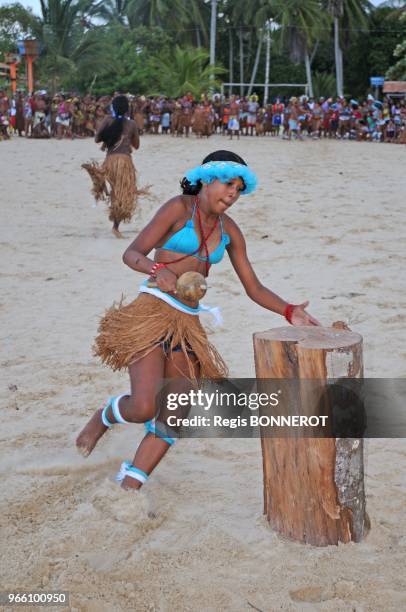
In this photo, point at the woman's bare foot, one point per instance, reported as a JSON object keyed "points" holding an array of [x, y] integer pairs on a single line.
{"points": [[91, 434], [117, 233]]}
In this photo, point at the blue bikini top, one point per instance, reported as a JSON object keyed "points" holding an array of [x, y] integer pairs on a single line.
{"points": [[185, 242]]}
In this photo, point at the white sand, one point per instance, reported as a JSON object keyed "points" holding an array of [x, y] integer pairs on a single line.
{"points": [[327, 224]]}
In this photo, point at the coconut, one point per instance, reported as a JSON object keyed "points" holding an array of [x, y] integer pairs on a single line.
{"points": [[190, 286]]}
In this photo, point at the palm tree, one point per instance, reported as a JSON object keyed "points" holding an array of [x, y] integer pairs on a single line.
{"points": [[263, 20], [68, 39], [175, 15], [336, 9], [198, 16], [245, 15], [351, 14], [302, 24], [324, 84], [112, 11], [187, 69], [256, 61], [398, 70], [226, 12], [151, 12]]}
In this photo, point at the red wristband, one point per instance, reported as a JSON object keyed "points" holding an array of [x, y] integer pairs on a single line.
{"points": [[288, 313], [156, 267]]}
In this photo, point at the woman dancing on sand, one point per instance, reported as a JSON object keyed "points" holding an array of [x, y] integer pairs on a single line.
{"points": [[159, 336], [115, 179]]}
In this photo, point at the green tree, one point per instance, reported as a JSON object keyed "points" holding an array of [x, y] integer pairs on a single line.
{"points": [[398, 70], [72, 46], [323, 84], [302, 25], [348, 16], [112, 11], [244, 16], [178, 16], [131, 61], [371, 52], [283, 70], [185, 70], [16, 22]]}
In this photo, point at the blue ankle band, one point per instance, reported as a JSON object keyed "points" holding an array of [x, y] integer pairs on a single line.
{"points": [[131, 468], [127, 469]]}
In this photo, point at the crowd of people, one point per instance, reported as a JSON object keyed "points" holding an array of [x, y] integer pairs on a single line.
{"points": [[71, 116]]}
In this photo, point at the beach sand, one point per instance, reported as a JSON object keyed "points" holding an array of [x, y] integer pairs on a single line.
{"points": [[326, 224]]}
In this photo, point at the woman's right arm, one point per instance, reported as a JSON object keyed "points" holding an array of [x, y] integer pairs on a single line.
{"points": [[135, 256]]}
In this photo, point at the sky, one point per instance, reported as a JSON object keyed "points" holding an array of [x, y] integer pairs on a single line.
{"points": [[35, 4]]}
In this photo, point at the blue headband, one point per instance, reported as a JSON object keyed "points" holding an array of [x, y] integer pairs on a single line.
{"points": [[223, 171]]}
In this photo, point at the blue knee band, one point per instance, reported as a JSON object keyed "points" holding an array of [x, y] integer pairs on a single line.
{"points": [[116, 410], [150, 427], [113, 402], [104, 418]]}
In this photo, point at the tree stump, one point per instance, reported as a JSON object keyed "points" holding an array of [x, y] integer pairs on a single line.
{"points": [[313, 487]]}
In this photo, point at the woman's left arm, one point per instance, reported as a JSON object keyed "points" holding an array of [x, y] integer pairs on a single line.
{"points": [[237, 252]]}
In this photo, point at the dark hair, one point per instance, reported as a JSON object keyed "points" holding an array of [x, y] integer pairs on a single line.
{"points": [[112, 132], [189, 189]]}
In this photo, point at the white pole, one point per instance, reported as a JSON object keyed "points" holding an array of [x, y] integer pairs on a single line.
{"points": [[267, 61], [231, 59], [241, 64], [338, 58], [309, 75]]}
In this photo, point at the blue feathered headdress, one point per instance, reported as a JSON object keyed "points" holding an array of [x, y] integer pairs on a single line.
{"points": [[223, 171]]}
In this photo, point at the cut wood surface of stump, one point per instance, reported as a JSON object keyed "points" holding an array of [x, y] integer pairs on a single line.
{"points": [[313, 486]]}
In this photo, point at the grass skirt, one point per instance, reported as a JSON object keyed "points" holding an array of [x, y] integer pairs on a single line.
{"points": [[115, 182], [129, 333]]}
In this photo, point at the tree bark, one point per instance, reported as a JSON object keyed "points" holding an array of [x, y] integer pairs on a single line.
{"points": [[313, 487], [309, 74], [231, 61], [248, 54], [256, 63], [316, 46], [213, 23], [338, 57], [241, 62]]}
